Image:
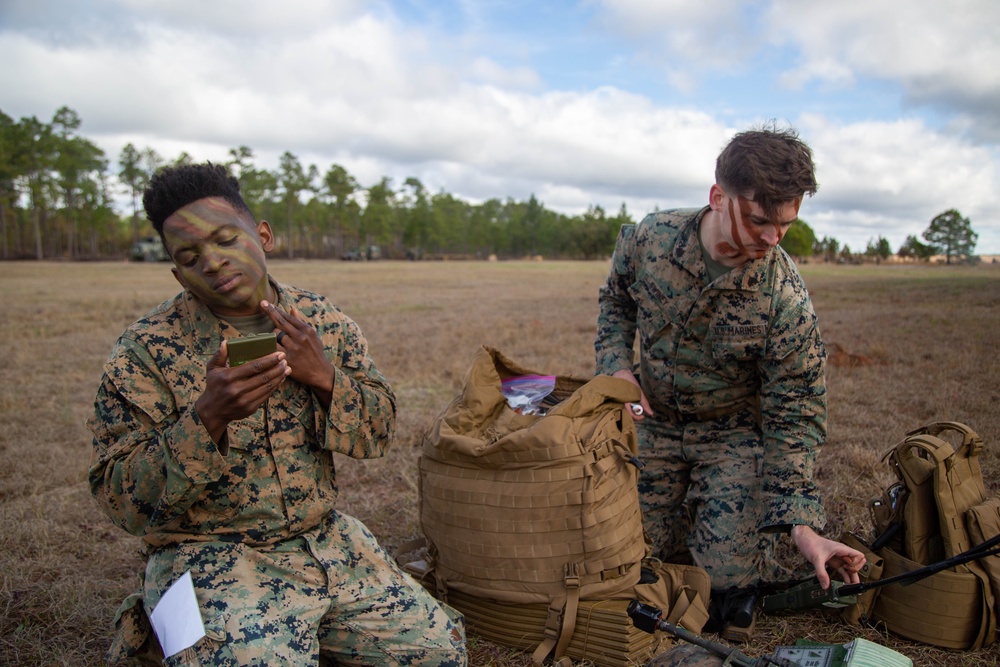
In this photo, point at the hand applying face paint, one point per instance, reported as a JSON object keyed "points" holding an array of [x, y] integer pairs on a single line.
{"points": [[304, 350]]}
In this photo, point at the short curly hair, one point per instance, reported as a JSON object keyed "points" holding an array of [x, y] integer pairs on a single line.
{"points": [[173, 188], [772, 163]]}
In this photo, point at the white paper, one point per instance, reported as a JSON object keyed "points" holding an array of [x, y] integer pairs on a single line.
{"points": [[177, 620]]}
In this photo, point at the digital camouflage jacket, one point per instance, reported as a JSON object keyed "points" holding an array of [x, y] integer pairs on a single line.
{"points": [[158, 474], [749, 337]]}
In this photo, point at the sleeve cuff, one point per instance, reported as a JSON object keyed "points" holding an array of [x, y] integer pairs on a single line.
{"points": [[191, 452], [784, 512], [611, 364]]}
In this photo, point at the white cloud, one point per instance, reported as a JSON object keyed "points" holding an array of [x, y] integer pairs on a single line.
{"points": [[943, 54], [702, 35], [923, 39], [487, 71], [892, 178], [828, 70]]}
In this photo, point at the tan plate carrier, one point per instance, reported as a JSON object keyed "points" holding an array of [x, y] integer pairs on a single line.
{"points": [[944, 510]]}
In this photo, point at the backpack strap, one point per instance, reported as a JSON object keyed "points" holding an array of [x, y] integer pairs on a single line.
{"points": [[560, 624], [690, 610], [915, 461], [572, 605], [553, 623], [970, 439]]}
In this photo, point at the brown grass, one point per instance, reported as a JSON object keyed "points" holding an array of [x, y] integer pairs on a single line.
{"points": [[930, 331]]}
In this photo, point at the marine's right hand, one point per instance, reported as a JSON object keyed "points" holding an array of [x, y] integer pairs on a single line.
{"points": [[824, 553], [236, 393], [646, 410]]}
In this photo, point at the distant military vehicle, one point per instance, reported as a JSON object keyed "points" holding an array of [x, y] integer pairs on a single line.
{"points": [[357, 254], [149, 249]]}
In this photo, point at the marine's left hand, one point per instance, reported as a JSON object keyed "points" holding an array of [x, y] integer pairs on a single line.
{"points": [[823, 553], [303, 348]]}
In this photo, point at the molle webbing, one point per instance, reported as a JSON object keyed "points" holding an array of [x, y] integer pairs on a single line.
{"points": [[516, 529], [604, 635], [946, 609]]}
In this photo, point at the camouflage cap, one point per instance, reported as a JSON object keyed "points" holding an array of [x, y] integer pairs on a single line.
{"points": [[686, 655]]}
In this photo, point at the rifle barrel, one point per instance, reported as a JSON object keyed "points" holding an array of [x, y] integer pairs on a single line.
{"points": [[649, 618]]}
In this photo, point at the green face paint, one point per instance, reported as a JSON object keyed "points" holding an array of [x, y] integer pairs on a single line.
{"points": [[219, 256]]}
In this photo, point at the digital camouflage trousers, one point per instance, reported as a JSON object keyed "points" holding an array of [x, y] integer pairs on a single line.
{"points": [[330, 597], [697, 494]]}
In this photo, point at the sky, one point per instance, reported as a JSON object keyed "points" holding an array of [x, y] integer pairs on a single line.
{"points": [[580, 103]]}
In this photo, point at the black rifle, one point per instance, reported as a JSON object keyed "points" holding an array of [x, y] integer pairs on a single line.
{"points": [[648, 618], [809, 595]]}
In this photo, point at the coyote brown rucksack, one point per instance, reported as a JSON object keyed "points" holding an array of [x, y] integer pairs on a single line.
{"points": [[929, 512], [540, 511]]}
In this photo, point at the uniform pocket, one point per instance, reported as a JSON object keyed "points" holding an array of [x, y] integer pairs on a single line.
{"points": [[736, 357], [133, 633], [727, 349], [213, 649], [654, 308]]}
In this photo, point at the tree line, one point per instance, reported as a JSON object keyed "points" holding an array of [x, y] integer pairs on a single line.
{"points": [[58, 193], [949, 234]]}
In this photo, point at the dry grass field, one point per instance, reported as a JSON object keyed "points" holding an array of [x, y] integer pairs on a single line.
{"points": [[923, 340]]}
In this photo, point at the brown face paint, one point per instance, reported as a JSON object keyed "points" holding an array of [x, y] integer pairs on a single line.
{"points": [[752, 230], [737, 225], [747, 236]]}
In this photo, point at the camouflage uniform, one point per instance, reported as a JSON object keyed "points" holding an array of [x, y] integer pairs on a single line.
{"points": [[280, 575], [734, 371]]}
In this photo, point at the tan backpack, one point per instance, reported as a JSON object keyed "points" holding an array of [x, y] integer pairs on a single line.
{"points": [[541, 511], [938, 509]]}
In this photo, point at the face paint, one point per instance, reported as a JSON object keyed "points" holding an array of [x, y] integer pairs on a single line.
{"points": [[219, 255], [750, 233]]}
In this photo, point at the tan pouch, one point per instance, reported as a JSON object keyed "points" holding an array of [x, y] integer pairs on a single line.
{"points": [[681, 593], [983, 522], [859, 613]]}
